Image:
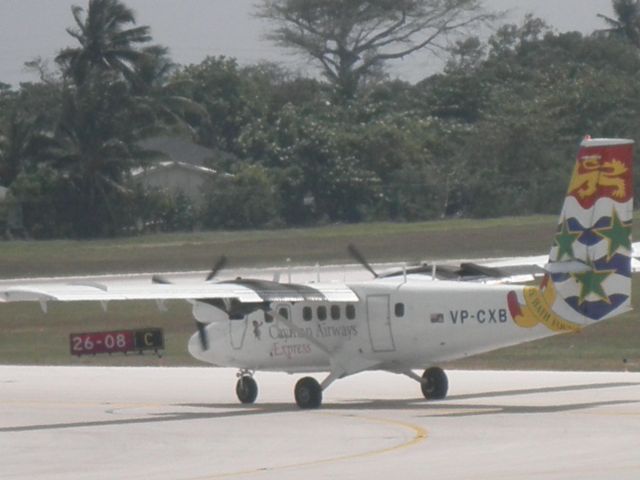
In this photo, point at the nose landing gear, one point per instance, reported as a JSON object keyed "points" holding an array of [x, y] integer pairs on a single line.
{"points": [[246, 387]]}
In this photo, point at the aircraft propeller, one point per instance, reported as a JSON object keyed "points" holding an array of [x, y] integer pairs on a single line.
{"points": [[221, 262], [359, 257], [219, 265], [160, 280], [202, 335]]}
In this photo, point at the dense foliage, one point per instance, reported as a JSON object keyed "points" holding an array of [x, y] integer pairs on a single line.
{"points": [[490, 135]]}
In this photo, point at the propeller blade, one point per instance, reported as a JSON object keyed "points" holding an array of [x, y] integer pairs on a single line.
{"points": [[202, 334], [220, 264], [160, 279], [202, 331], [359, 257]]}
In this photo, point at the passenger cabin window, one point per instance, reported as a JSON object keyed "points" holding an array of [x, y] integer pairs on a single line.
{"points": [[284, 312], [335, 312], [306, 314], [268, 318], [399, 309], [322, 312], [351, 312]]}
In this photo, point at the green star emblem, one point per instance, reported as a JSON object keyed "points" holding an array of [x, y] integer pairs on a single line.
{"points": [[591, 282], [564, 240], [618, 234]]}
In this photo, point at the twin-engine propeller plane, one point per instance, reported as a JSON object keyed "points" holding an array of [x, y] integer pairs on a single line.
{"points": [[400, 322]]}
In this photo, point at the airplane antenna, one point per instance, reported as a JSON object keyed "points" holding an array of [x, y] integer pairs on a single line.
{"points": [[404, 272], [289, 268], [317, 272], [433, 271]]}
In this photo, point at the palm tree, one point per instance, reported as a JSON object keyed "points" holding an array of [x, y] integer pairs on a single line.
{"points": [[626, 25], [20, 143], [93, 150], [159, 95], [105, 42]]}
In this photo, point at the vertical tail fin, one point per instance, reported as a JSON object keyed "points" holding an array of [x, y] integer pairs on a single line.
{"points": [[589, 271]]}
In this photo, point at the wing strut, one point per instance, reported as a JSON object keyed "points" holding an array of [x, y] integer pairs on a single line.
{"points": [[342, 364]]}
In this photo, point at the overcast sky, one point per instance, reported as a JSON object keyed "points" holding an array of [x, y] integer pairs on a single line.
{"points": [[193, 29]]}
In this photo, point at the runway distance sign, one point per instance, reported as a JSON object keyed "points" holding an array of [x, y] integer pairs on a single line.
{"points": [[117, 341]]}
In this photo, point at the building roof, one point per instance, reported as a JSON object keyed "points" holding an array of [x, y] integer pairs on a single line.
{"points": [[166, 165], [179, 149]]}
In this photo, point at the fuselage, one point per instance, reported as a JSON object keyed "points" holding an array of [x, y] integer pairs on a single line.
{"points": [[397, 324]]}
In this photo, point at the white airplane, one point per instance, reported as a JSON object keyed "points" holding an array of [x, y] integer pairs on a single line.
{"points": [[407, 320]]}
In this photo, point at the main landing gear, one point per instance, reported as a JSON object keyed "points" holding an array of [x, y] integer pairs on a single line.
{"points": [[434, 383], [308, 393]]}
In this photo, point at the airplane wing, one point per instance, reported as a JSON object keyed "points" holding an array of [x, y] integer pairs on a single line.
{"points": [[493, 270], [244, 291], [535, 265]]}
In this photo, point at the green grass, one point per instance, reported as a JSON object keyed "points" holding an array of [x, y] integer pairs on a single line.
{"points": [[30, 337], [27, 336], [608, 346], [380, 241]]}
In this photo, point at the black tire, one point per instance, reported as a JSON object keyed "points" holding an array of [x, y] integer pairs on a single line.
{"points": [[436, 384], [308, 393], [246, 389]]}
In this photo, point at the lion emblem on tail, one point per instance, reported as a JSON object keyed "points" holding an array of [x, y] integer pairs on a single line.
{"points": [[589, 174]]}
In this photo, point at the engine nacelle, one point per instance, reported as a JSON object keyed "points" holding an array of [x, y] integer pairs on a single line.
{"points": [[206, 313]]}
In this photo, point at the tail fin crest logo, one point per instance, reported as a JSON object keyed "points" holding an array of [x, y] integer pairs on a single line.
{"points": [[594, 177], [592, 244], [536, 307]]}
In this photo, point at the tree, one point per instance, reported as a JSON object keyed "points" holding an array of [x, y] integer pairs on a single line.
{"points": [[626, 25], [542, 92], [112, 96], [25, 119], [244, 200], [217, 85], [93, 148], [15, 147], [158, 95], [105, 42], [352, 39]]}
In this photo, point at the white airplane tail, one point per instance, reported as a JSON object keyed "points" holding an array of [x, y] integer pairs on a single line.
{"points": [[589, 271]]}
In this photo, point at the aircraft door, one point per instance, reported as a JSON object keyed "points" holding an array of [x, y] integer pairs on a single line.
{"points": [[237, 332], [379, 321]]}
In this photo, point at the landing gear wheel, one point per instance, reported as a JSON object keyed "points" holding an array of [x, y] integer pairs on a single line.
{"points": [[246, 389], [308, 393], [435, 385]]}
